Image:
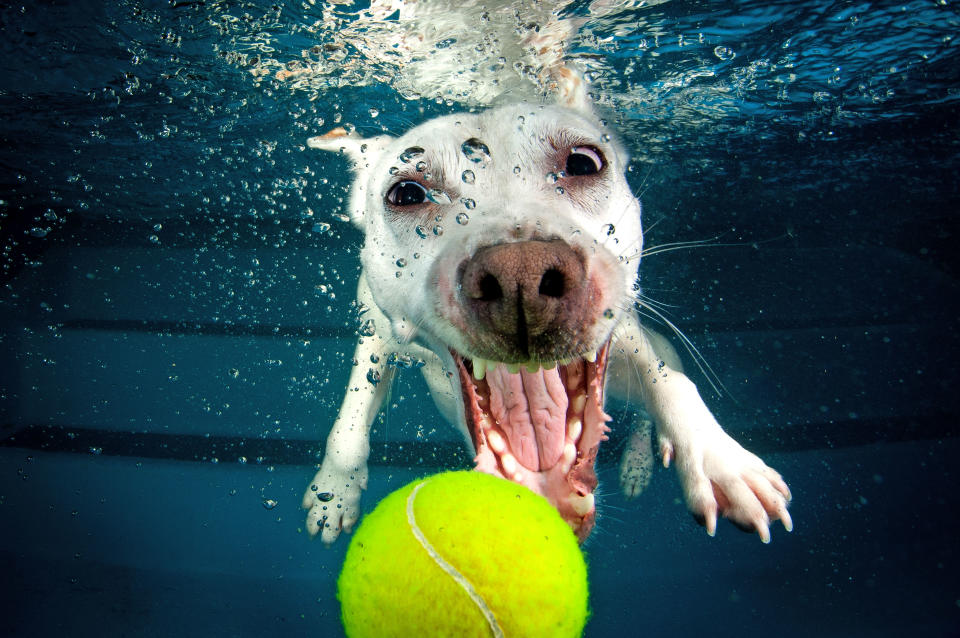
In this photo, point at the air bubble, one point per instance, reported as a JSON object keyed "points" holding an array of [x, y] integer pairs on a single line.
{"points": [[422, 232], [438, 230], [724, 53], [373, 376], [468, 177], [374, 112], [437, 196], [475, 150], [609, 229], [401, 263], [468, 203], [462, 219], [410, 153], [368, 328], [269, 503]]}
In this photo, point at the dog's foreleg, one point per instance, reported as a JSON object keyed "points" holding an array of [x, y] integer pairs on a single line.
{"points": [[718, 476], [333, 497], [623, 381]]}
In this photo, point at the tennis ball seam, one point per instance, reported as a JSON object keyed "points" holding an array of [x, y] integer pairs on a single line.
{"points": [[452, 571]]}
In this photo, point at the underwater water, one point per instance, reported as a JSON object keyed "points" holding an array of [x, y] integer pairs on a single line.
{"points": [[178, 318]]}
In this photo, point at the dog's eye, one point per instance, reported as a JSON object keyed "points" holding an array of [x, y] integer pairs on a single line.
{"points": [[406, 193], [584, 160]]}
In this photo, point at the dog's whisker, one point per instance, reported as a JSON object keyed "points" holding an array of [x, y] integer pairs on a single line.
{"points": [[708, 372]]}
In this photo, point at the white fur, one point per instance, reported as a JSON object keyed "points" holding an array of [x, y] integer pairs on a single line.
{"points": [[413, 310]]}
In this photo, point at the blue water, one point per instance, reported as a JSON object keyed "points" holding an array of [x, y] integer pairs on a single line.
{"points": [[177, 318]]}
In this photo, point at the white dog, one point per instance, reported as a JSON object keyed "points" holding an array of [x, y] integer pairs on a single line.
{"points": [[502, 249]]}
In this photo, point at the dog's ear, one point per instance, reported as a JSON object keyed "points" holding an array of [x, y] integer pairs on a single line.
{"points": [[363, 152], [572, 90], [358, 149]]}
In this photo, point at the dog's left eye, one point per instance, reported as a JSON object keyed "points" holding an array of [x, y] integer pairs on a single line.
{"points": [[406, 193], [584, 160]]}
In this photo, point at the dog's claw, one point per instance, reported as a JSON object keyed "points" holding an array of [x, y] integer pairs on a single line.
{"points": [[666, 452]]}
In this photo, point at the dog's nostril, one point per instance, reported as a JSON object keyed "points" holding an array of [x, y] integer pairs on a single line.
{"points": [[490, 288], [551, 284]]}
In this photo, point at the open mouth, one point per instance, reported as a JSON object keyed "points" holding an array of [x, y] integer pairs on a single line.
{"points": [[540, 424]]}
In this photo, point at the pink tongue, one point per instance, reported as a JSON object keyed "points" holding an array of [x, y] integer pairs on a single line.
{"points": [[530, 408]]}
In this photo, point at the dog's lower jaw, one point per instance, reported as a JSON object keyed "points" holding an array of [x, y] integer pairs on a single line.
{"points": [[515, 437]]}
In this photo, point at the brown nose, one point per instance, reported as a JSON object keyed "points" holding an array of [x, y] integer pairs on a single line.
{"points": [[524, 290]]}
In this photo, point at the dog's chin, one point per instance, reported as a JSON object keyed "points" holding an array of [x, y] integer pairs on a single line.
{"points": [[540, 425]]}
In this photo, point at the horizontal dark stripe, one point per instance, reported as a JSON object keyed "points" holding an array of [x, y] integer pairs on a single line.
{"points": [[227, 449], [692, 329], [207, 449], [206, 328]]}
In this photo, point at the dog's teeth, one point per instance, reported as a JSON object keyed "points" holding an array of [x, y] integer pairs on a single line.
{"points": [[582, 505], [574, 429], [497, 444], [569, 456], [591, 356], [479, 369], [512, 368], [579, 403], [509, 464]]}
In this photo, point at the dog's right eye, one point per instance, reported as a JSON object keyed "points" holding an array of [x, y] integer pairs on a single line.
{"points": [[584, 160], [406, 193]]}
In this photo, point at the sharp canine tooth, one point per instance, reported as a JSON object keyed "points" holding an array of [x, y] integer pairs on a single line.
{"points": [[574, 429], [497, 444], [569, 456], [509, 463], [582, 504], [579, 403], [479, 369], [591, 356], [513, 368]]}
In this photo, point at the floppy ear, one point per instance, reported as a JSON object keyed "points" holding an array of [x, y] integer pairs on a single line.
{"points": [[363, 154], [572, 90], [359, 149]]}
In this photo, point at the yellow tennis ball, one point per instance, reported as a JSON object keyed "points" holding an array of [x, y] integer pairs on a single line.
{"points": [[463, 554]]}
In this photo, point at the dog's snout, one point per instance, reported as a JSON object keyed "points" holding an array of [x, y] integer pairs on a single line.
{"points": [[523, 289]]}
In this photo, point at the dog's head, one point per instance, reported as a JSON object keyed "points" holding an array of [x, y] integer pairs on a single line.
{"points": [[510, 240]]}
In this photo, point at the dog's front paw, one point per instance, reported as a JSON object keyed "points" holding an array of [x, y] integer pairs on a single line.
{"points": [[721, 477], [636, 464], [333, 499]]}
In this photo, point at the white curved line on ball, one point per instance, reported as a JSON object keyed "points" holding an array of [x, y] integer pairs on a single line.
{"points": [[459, 578]]}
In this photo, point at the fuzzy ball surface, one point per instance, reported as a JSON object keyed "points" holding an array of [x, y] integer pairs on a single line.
{"points": [[463, 554]]}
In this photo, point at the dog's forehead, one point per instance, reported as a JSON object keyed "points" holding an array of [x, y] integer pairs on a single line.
{"points": [[499, 136]]}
